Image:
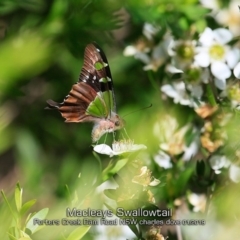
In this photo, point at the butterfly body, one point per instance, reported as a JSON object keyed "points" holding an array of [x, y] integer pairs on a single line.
{"points": [[92, 98], [111, 124]]}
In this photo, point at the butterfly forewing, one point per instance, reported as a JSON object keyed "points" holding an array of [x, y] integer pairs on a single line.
{"points": [[97, 74]]}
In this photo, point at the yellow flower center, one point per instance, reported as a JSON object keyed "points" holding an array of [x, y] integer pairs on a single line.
{"points": [[185, 51], [217, 52], [234, 92]]}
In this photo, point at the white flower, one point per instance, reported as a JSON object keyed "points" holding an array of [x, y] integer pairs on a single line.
{"points": [[177, 91], [150, 30], [230, 17], [170, 136], [191, 150], [139, 51], [163, 160], [158, 56], [118, 148], [145, 178], [236, 71], [234, 173], [182, 53], [217, 162], [212, 4], [214, 51], [193, 76], [198, 201]]}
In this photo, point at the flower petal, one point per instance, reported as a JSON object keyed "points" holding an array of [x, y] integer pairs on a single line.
{"points": [[191, 150], [130, 51], [155, 182], [149, 30], [137, 147], [103, 149], [220, 83], [197, 91], [202, 59], [222, 35], [236, 71], [213, 4], [232, 57], [220, 70], [207, 37], [163, 160], [234, 173], [217, 162], [169, 91], [143, 57], [172, 69]]}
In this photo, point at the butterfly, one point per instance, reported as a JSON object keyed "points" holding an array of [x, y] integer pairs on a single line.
{"points": [[92, 98]]}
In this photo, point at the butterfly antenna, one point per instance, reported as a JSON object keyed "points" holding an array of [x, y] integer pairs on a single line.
{"points": [[138, 110], [113, 135], [126, 133], [105, 139]]}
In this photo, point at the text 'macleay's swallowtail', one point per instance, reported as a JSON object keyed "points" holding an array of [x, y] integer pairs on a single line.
{"points": [[92, 98]]}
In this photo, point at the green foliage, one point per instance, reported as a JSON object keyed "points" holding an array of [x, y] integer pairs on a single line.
{"points": [[19, 230], [78, 233]]}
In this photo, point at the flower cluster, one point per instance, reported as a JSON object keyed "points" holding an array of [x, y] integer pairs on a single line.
{"points": [[207, 66], [211, 58], [196, 137]]}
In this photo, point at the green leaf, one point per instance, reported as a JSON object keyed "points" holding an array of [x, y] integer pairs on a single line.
{"points": [[26, 206], [29, 64], [98, 159], [210, 95], [18, 196], [194, 12], [200, 168], [131, 226], [6, 201], [111, 193], [13, 233], [183, 179], [112, 168], [78, 233], [24, 236], [40, 215]]}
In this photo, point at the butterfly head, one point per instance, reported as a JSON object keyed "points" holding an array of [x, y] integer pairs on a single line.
{"points": [[118, 121]]}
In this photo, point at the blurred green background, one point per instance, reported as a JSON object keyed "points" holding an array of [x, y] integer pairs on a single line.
{"points": [[41, 53]]}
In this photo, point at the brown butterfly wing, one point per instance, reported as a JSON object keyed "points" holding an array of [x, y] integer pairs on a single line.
{"points": [[74, 106]]}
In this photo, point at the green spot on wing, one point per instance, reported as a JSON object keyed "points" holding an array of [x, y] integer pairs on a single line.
{"points": [[101, 106], [108, 99], [97, 108], [104, 80], [99, 65]]}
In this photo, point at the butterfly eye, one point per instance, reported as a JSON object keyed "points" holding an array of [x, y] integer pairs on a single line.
{"points": [[117, 123]]}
